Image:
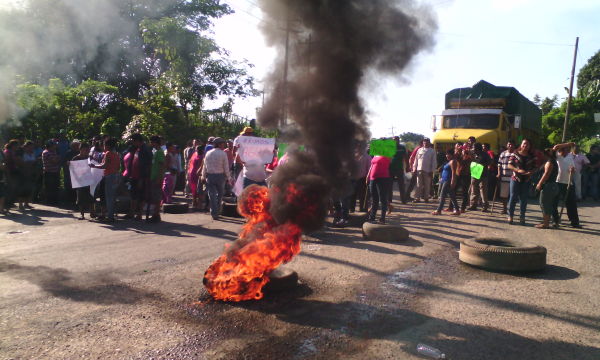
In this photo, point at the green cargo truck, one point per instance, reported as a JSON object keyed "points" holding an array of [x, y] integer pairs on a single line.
{"points": [[493, 114]]}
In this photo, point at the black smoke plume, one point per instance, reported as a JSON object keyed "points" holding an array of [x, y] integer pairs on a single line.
{"points": [[334, 46]]}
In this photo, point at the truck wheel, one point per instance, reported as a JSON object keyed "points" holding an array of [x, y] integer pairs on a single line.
{"points": [[176, 208], [502, 254]]}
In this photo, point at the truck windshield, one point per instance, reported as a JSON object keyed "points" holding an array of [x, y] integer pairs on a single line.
{"points": [[471, 121]]}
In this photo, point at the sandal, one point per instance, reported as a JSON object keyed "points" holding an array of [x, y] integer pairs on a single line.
{"points": [[542, 226], [436, 213]]}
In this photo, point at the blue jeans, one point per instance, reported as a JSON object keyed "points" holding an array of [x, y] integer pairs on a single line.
{"points": [[379, 189], [445, 190], [215, 184], [248, 182], [518, 191], [111, 184]]}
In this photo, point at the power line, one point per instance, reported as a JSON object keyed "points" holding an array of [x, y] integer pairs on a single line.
{"points": [[526, 42]]}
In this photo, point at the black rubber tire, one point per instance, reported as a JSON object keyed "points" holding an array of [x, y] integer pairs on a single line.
{"points": [[502, 254], [230, 210], [176, 208], [281, 279], [384, 232], [122, 204]]}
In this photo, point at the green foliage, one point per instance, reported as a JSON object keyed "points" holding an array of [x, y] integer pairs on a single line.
{"points": [[112, 66], [411, 137], [589, 72], [80, 110], [586, 144]]}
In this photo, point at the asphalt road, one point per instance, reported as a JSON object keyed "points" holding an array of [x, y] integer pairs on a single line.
{"points": [[78, 289]]}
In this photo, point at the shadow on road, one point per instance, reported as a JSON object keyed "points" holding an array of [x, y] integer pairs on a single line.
{"points": [[166, 228], [96, 288]]}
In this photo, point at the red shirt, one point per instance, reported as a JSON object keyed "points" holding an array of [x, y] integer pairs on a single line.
{"points": [[380, 167], [111, 162]]}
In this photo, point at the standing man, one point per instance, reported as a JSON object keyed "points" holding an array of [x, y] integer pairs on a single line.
{"points": [[479, 186], [505, 174], [157, 172], [397, 167], [425, 165], [581, 161], [216, 172], [566, 168]]}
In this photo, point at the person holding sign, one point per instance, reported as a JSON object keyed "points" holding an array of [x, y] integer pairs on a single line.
{"points": [[479, 172], [425, 164], [379, 183], [111, 164], [522, 163]]}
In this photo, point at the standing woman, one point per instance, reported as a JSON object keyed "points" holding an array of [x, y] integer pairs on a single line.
{"points": [[111, 165], [548, 189], [449, 179], [522, 163], [193, 176], [379, 182]]}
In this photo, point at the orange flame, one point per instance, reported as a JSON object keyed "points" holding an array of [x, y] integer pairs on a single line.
{"points": [[242, 271]]}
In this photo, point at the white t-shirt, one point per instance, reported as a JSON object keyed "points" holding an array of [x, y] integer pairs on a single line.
{"points": [[564, 164], [255, 171]]}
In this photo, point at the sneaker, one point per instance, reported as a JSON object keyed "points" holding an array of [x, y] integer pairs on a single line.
{"points": [[455, 213], [448, 210], [576, 226], [436, 213]]}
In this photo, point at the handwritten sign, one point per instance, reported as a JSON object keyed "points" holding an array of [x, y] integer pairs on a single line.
{"points": [[82, 175], [476, 170], [382, 147], [255, 148]]}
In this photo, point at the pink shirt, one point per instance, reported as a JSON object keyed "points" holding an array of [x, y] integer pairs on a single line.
{"points": [[380, 167]]}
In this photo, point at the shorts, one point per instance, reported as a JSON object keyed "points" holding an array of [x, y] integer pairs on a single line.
{"points": [[504, 190]]}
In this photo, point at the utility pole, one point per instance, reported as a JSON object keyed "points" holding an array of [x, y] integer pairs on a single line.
{"points": [[570, 91], [283, 120]]}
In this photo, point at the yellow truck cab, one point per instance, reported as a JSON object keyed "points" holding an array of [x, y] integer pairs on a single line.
{"points": [[492, 114]]}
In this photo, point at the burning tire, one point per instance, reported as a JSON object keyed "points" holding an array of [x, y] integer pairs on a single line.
{"points": [[281, 279], [384, 232], [502, 254], [176, 208]]}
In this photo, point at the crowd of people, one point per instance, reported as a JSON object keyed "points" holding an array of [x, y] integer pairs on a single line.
{"points": [[147, 172], [473, 173]]}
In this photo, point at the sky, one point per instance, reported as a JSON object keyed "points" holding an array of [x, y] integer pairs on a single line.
{"points": [[526, 44]]}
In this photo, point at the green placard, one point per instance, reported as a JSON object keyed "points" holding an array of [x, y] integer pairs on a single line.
{"points": [[476, 170], [383, 147], [282, 148]]}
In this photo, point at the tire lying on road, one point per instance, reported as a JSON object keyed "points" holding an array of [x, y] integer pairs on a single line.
{"points": [[502, 254], [384, 232], [176, 208]]}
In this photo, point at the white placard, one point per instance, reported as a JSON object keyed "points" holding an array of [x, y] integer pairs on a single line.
{"points": [[97, 175], [255, 148], [83, 175], [597, 117]]}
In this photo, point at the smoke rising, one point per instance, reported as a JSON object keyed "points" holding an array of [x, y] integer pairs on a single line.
{"points": [[334, 44], [69, 39]]}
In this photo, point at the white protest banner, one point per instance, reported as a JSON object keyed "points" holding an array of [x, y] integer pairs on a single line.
{"points": [[256, 148], [81, 176], [97, 175]]}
